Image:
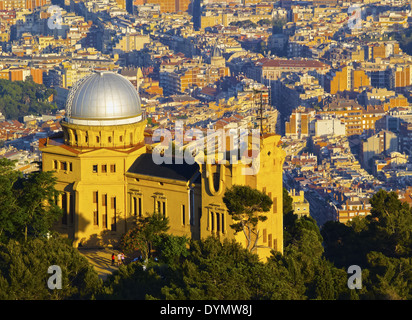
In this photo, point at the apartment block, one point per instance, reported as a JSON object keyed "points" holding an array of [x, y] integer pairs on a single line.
{"points": [[268, 69], [346, 79], [299, 204], [353, 207], [167, 6], [22, 4], [382, 142], [299, 123]]}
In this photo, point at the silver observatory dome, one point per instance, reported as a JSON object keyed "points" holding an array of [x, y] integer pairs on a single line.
{"points": [[103, 98]]}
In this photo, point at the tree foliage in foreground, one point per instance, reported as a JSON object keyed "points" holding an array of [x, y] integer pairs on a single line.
{"points": [[141, 237], [28, 246], [313, 266], [247, 208], [28, 205], [24, 271], [213, 269], [379, 243]]}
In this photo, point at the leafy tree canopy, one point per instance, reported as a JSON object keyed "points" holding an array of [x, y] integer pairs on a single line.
{"points": [[28, 204], [379, 243], [246, 206], [21, 98], [141, 237], [24, 271]]}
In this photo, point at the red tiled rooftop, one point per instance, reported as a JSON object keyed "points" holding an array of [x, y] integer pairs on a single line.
{"points": [[284, 63]]}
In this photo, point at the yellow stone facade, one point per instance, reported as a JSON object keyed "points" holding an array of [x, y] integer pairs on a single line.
{"points": [[108, 178], [268, 179], [105, 187], [92, 179]]}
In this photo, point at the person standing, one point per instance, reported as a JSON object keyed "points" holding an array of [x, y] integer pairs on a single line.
{"points": [[119, 259], [122, 258], [113, 258]]}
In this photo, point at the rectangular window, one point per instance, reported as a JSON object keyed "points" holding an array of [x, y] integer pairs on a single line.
{"points": [[95, 218], [63, 165], [112, 168], [217, 221], [134, 206], [95, 195], [275, 205], [64, 208], [104, 168], [71, 208], [212, 221], [55, 164], [265, 236], [104, 200], [223, 223], [183, 215], [70, 166], [140, 207], [104, 220], [270, 241], [95, 168], [191, 208], [113, 227], [113, 202], [164, 209]]}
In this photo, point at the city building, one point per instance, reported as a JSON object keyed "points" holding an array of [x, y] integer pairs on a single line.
{"points": [[22, 4], [171, 5], [325, 126], [299, 204], [108, 177], [354, 206], [346, 79], [382, 142], [298, 125]]}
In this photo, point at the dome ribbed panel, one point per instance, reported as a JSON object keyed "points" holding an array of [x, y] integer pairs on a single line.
{"points": [[104, 96]]}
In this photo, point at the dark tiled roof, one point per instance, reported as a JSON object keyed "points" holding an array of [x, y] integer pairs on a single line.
{"points": [[146, 166]]}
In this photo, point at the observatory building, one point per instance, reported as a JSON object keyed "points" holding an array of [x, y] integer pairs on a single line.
{"points": [[107, 177]]}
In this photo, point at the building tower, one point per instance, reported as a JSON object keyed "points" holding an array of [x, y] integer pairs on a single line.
{"points": [[217, 59], [103, 134], [197, 11]]}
